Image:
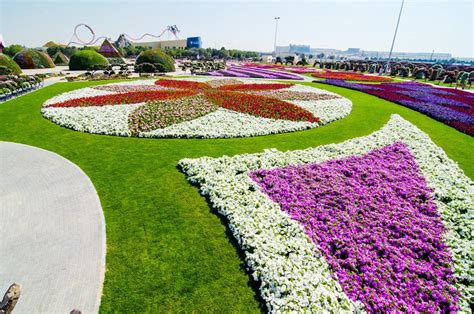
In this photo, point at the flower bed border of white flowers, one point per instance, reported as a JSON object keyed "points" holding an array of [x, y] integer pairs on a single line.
{"points": [[113, 119], [293, 275]]}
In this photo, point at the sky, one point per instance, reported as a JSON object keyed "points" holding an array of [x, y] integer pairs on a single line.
{"points": [[439, 25]]}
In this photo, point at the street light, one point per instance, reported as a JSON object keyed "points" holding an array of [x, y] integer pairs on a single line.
{"points": [[276, 30], [394, 36]]}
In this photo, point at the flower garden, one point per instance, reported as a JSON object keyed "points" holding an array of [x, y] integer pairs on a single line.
{"points": [[451, 106], [381, 223], [351, 203], [206, 108]]}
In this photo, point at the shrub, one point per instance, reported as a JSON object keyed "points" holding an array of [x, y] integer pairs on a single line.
{"points": [[67, 51], [115, 61], [160, 60], [87, 60], [12, 50], [33, 59], [60, 59], [8, 66], [433, 74], [145, 68]]}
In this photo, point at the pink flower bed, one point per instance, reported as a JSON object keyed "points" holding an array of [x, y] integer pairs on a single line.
{"points": [[373, 219]]}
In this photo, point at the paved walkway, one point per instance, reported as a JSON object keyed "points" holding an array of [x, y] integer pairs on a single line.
{"points": [[52, 232]]}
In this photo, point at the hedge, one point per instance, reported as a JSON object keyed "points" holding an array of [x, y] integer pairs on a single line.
{"points": [[160, 60], [87, 60], [8, 65]]}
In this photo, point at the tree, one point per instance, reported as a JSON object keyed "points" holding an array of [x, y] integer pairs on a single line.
{"points": [[68, 51], [12, 50]]}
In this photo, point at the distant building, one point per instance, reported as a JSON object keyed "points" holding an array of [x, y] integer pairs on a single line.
{"points": [[293, 49], [408, 55], [353, 51], [358, 53], [191, 42]]}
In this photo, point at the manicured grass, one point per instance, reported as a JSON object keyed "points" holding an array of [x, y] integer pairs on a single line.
{"points": [[166, 249]]}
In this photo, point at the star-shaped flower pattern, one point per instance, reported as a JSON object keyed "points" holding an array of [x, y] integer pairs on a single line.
{"points": [[169, 102]]}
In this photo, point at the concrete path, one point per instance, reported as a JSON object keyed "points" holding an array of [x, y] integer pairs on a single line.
{"points": [[52, 232]]}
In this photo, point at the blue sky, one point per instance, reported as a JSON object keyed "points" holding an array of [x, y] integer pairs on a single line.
{"points": [[443, 26]]}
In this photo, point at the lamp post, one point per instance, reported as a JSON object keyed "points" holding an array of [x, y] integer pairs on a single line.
{"points": [[276, 30], [394, 36]]}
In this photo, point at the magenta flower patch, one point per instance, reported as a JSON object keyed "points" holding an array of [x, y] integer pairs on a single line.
{"points": [[373, 219]]}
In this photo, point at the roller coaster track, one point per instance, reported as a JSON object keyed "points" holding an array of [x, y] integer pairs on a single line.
{"points": [[75, 39]]}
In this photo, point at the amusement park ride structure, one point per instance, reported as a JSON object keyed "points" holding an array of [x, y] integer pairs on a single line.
{"points": [[75, 39]]}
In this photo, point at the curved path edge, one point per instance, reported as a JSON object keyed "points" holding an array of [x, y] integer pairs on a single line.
{"points": [[52, 232]]}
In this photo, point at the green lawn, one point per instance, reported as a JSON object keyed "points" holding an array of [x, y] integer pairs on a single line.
{"points": [[166, 249]]}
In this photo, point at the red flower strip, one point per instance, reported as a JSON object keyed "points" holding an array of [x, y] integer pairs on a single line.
{"points": [[125, 98], [182, 84], [260, 106], [254, 87]]}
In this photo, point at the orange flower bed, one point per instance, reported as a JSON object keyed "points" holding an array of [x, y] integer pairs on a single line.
{"points": [[351, 76]]}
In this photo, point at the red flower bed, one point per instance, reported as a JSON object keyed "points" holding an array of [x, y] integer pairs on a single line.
{"points": [[260, 106], [351, 76], [232, 97], [124, 98], [182, 84], [253, 87]]}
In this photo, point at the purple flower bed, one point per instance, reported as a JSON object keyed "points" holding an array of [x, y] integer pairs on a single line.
{"points": [[239, 71], [450, 106], [373, 219]]}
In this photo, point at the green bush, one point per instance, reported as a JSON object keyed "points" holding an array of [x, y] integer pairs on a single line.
{"points": [[87, 60], [115, 61], [67, 51], [60, 59], [33, 59], [8, 66], [145, 68], [12, 50], [160, 60]]}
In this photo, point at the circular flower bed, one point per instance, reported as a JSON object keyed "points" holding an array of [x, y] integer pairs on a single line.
{"points": [[350, 76], [198, 107]]}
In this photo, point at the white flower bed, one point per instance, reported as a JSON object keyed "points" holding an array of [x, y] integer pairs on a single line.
{"points": [[327, 110], [112, 119], [293, 275], [224, 123]]}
